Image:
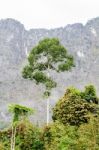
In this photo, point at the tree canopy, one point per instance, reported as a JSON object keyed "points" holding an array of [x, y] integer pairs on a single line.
{"points": [[89, 94], [72, 108], [19, 111], [49, 54]]}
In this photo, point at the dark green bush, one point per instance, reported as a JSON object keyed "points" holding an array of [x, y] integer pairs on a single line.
{"points": [[72, 108]]}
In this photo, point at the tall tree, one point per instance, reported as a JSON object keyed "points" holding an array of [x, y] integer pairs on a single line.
{"points": [[19, 112], [48, 55]]}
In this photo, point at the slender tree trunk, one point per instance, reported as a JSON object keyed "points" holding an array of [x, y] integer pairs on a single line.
{"points": [[13, 138], [48, 101], [47, 111]]}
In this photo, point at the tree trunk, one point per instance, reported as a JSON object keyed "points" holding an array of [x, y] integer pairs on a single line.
{"points": [[48, 74], [47, 111], [13, 138]]}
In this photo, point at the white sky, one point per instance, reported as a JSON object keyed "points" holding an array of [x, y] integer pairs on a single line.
{"points": [[49, 13]]}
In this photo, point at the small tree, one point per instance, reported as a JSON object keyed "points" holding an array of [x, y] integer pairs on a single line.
{"points": [[19, 113], [48, 55]]}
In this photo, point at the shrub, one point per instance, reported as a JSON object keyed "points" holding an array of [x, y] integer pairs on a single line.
{"points": [[72, 109], [28, 137]]}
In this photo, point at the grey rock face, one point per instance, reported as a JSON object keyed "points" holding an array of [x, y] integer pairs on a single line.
{"points": [[15, 43]]}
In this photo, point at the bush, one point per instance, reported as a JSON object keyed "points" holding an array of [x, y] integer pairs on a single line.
{"points": [[89, 135], [28, 137], [89, 94], [56, 136], [72, 108]]}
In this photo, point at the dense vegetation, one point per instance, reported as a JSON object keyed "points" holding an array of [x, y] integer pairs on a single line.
{"points": [[75, 126]]}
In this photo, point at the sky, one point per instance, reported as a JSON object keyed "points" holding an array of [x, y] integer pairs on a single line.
{"points": [[49, 13]]}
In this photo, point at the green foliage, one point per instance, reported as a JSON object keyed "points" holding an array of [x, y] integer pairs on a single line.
{"points": [[27, 73], [89, 135], [28, 137], [48, 54], [50, 84], [55, 136], [85, 137], [67, 64], [19, 111], [90, 94], [59, 137], [72, 109], [40, 77]]}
